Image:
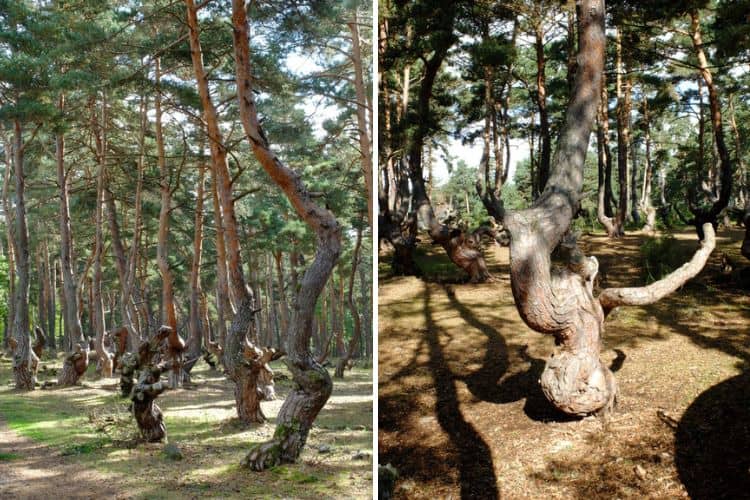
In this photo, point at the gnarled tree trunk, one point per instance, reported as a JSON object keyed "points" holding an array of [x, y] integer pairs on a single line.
{"points": [[559, 301], [75, 365], [313, 385]]}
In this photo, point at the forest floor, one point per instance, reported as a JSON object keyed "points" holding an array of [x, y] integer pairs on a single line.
{"points": [[461, 412], [79, 442]]}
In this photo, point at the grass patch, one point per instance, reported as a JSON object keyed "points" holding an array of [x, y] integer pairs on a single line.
{"points": [[6, 457], [90, 425], [294, 475]]}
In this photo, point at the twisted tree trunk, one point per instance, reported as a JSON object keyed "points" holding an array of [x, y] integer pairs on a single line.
{"points": [[148, 415], [75, 365], [559, 301], [313, 385]]}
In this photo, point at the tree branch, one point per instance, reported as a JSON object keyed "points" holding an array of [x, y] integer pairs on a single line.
{"points": [[639, 296]]}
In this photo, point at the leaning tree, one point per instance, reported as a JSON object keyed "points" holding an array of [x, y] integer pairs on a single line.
{"points": [[423, 31], [559, 300], [313, 384]]}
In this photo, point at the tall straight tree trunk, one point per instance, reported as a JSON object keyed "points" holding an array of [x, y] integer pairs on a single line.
{"points": [[646, 206], [313, 384], [97, 302], [169, 316], [604, 164], [364, 130], [224, 307], [51, 296], [742, 190], [70, 305], [24, 371], [352, 305], [9, 225], [244, 375], [195, 327], [635, 213], [623, 135], [135, 314], [283, 306], [541, 103]]}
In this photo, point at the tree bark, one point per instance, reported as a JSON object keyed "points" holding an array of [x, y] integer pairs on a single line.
{"points": [[623, 135], [104, 357], [148, 415], [283, 306], [351, 304], [646, 206], [51, 296], [243, 321], [9, 225], [541, 103], [614, 230], [701, 216], [169, 316], [70, 305], [363, 110], [195, 325], [313, 384], [24, 360], [560, 303]]}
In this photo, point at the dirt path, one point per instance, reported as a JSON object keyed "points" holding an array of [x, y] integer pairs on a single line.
{"points": [[462, 415], [32, 470]]}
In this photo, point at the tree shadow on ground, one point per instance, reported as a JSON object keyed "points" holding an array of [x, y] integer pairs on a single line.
{"points": [[470, 454], [713, 439], [488, 384]]}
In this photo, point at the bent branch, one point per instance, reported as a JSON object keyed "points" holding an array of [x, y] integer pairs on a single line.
{"points": [[639, 296]]}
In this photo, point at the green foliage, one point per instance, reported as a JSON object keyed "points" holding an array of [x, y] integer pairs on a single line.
{"points": [[659, 257]]}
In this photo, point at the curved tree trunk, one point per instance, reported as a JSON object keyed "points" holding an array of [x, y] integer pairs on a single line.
{"points": [[148, 415], [243, 322], [313, 384], [75, 365], [725, 174], [560, 301]]}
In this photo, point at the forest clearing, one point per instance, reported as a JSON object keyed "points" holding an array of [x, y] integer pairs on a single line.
{"points": [[82, 442], [185, 184], [461, 411], [563, 271]]}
